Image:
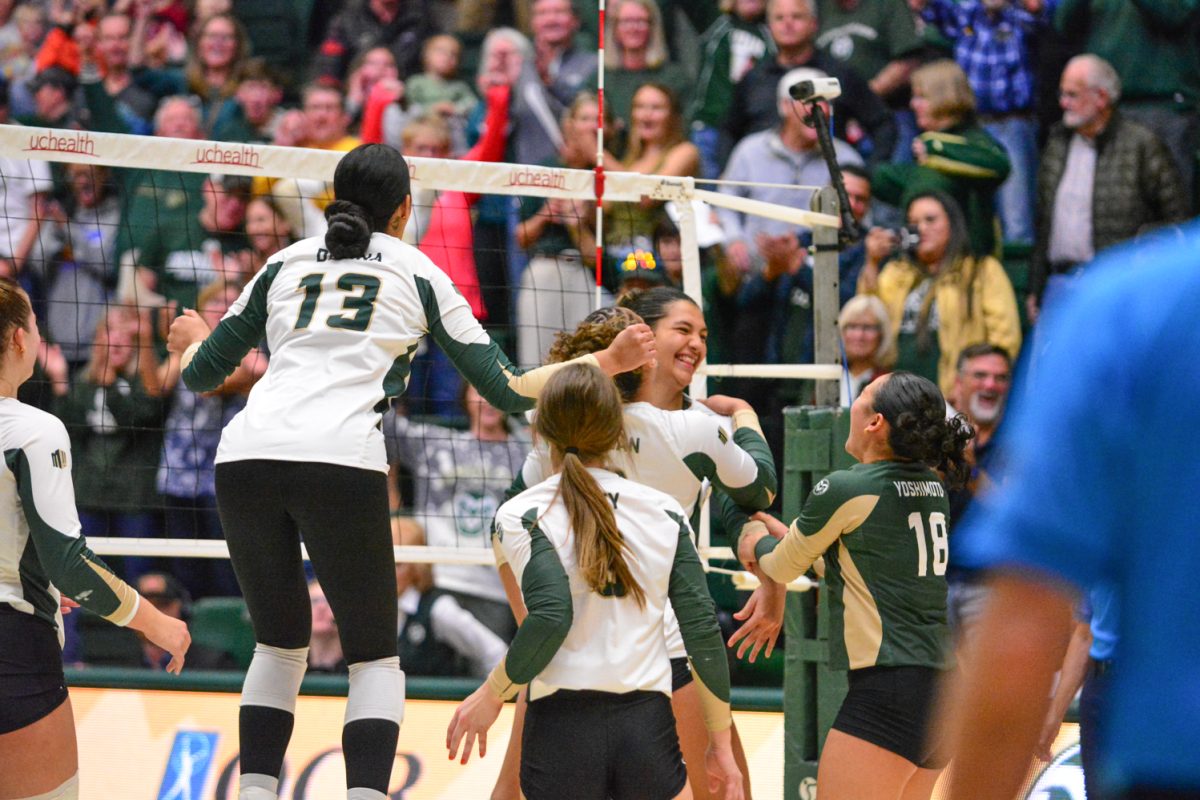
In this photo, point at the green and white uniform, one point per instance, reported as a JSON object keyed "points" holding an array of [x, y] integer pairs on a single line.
{"points": [[41, 549], [882, 528], [683, 453], [582, 640], [342, 334]]}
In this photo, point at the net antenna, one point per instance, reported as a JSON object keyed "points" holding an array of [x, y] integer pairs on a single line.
{"points": [[599, 182]]}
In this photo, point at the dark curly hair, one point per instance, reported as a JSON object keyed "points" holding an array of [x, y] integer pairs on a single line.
{"points": [[916, 411], [593, 334]]}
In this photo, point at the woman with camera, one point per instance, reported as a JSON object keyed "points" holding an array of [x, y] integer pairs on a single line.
{"points": [[940, 297]]}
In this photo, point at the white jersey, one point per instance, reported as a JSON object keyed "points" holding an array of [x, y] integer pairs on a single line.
{"points": [[671, 451], [41, 549], [341, 333], [613, 646]]}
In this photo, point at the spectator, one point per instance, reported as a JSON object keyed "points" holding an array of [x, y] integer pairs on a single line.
{"points": [[114, 415], [438, 88], [459, 480], [668, 246], [19, 65], [787, 153], [325, 648], [853, 258], [565, 69], [110, 58], [436, 635], [191, 433], [259, 94], [942, 298], [953, 154], [1153, 47], [1104, 179], [793, 25], [868, 343], [370, 69], [216, 59], [399, 25], [80, 290], [267, 230], [878, 39], [657, 146], [981, 384], [635, 53], [159, 33], [639, 272], [26, 187], [53, 100], [731, 47], [168, 595], [995, 44]]}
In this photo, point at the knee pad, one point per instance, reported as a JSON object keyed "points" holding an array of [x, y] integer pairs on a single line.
{"points": [[69, 790], [376, 691], [274, 677]]}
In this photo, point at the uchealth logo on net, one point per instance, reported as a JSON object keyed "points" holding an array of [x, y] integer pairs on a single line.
{"points": [[538, 178], [79, 142], [239, 156]]}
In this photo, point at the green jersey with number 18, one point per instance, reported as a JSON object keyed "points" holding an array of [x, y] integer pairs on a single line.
{"points": [[882, 530]]}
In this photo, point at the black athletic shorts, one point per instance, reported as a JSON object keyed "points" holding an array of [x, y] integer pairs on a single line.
{"points": [[601, 745], [891, 707], [31, 674], [681, 673]]}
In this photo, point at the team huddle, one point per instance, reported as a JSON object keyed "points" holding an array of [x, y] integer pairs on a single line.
{"points": [[618, 666]]}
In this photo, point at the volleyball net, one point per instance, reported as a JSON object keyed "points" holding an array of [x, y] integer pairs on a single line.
{"points": [[112, 234]]}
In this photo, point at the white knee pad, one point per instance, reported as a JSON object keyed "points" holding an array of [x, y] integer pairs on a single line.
{"points": [[376, 691], [359, 793], [69, 790], [274, 677]]}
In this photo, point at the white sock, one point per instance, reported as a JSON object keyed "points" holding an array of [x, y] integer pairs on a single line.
{"points": [[68, 790], [258, 787]]}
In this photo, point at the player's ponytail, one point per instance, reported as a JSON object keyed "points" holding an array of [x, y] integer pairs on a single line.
{"points": [[370, 183], [579, 415], [595, 333], [920, 431]]}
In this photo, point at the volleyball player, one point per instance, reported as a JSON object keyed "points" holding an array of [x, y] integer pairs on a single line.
{"points": [[342, 315], [42, 554], [597, 557], [882, 529], [679, 450]]}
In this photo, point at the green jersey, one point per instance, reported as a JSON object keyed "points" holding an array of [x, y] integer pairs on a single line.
{"points": [[882, 528]]}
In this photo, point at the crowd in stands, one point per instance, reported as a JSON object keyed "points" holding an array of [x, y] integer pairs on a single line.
{"points": [[990, 148]]}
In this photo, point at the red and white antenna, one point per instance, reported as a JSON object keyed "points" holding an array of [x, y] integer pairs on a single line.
{"points": [[599, 183]]}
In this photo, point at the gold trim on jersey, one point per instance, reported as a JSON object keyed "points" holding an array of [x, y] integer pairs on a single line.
{"points": [[863, 627], [530, 383], [797, 552], [126, 596], [716, 712]]}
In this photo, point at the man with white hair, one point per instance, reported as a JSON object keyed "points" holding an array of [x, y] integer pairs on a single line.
{"points": [[1103, 179]]}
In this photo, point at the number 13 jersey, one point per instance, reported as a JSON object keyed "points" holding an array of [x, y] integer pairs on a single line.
{"points": [[341, 335], [882, 528]]}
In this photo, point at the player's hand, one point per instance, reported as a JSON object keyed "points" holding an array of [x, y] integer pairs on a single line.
{"points": [[725, 405], [774, 527], [762, 620], [169, 633], [724, 777], [633, 348], [66, 605], [187, 329], [472, 719]]}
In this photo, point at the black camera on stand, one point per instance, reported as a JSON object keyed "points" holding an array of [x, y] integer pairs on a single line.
{"points": [[811, 93]]}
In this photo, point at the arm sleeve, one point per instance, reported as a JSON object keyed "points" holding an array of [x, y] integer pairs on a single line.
{"points": [[534, 470], [474, 353], [43, 474], [693, 605], [238, 333], [455, 626], [741, 465], [976, 158], [547, 594], [825, 518]]}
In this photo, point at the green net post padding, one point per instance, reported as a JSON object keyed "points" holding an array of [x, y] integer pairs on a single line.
{"points": [[814, 440]]}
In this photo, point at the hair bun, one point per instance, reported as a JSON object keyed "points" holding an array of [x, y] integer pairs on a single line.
{"points": [[349, 229]]}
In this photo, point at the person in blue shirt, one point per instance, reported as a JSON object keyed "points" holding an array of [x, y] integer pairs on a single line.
{"points": [[1101, 474]]}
